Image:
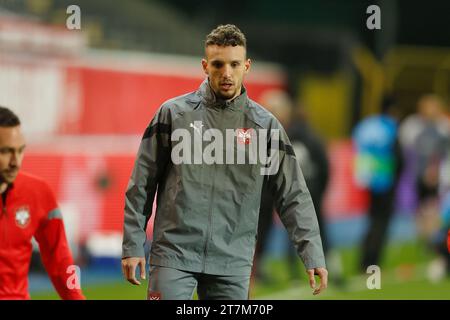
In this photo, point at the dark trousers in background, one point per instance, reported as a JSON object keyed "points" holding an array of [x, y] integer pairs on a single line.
{"points": [[381, 210]]}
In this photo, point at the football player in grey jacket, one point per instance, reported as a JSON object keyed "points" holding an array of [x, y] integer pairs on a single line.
{"points": [[207, 154]]}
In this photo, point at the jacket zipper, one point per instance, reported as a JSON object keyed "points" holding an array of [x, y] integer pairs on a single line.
{"points": [[209, 234]]}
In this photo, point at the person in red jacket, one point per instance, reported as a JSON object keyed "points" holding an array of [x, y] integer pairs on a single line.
{"points": [[28, 209], [448, 240]]}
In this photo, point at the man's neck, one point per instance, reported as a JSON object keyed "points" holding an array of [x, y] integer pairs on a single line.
{"points": [[237, 95], [3, 187]]}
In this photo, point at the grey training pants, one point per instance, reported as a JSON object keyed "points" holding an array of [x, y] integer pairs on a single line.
{"points": [[173, 284]]}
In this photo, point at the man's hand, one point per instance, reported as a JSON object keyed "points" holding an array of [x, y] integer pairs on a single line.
{"points": [[129, 268], [323, 275]]}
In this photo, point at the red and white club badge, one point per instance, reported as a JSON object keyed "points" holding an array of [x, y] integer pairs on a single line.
{"points": [[153, 295], [244, 135], [22, 217]]}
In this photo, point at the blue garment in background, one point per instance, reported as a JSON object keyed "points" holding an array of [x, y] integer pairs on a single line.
{"points": [[374, 140]]}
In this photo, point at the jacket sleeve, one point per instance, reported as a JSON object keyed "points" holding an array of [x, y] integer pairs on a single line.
{"points": [[55, 253], [294, 204], [150, 164]]}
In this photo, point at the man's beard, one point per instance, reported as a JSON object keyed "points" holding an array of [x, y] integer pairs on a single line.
{"points": [[227, 96], [8, 176]]}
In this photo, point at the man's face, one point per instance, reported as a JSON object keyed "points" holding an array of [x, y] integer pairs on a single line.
{"points": [[226, 67], [430, 108], [12, 145]]}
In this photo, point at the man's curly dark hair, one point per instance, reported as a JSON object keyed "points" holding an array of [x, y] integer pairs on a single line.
{"points": [[8, 118], [226, 35]]}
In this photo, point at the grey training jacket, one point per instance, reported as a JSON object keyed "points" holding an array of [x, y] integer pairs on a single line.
{"points": [[207, 214]]}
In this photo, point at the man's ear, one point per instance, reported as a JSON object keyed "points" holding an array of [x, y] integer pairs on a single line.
{"points": [[247, 65], [205, 66]]}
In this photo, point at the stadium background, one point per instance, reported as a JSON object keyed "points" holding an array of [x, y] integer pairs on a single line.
{"points": [[85, 97]]}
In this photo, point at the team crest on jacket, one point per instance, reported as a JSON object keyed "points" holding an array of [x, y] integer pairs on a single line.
{"points": [[23, 217], [244, 135], [153, 295]]}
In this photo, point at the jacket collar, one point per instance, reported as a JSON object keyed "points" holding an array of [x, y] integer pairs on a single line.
{"points": [[210, 99]]}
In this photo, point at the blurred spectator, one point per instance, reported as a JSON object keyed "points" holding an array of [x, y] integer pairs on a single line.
{"points": [[430, 145], [440, 266], [312, 157], [378, 166], [425, 139], [278, 103]]}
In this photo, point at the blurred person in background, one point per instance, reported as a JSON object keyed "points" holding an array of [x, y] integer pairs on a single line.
{"points": [[312, 157], [29, 209], [378, 164], [440, 266], [429, 143], [425, 138], [207, 214]]}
